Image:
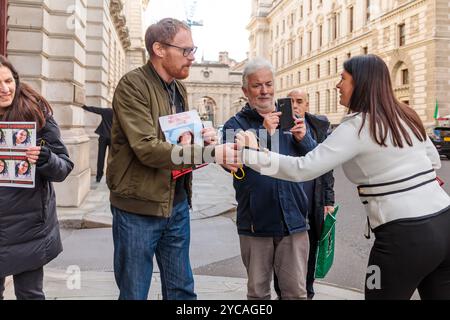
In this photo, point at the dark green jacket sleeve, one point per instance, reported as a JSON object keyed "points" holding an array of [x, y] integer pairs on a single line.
{"points": [[133, 110]]}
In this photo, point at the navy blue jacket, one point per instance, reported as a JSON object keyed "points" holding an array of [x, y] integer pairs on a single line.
{"points": [[268, 207], [324, 185]]}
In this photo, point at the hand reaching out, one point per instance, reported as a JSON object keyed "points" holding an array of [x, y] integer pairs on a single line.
{"points": [[209, 136], [227, 155], [246, 139]]}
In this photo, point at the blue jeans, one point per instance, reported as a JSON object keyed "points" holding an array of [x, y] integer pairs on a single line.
{"points": [[138, 238]]}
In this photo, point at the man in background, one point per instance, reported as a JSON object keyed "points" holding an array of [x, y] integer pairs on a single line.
{"points": [[104, 136], [320, 192]]}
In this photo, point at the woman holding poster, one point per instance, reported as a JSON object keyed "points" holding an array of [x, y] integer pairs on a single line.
{"points": [[30, 232]]}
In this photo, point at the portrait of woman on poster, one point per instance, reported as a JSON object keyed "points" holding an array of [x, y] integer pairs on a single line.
{"points": [[23, 169], [3, 169], [22, 138], [30, 236], [187, 137]]}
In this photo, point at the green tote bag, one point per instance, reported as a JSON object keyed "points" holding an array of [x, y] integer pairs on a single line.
{"points": [[325, 249]]}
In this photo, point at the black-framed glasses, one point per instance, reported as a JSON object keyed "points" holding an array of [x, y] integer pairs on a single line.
{"points": [[186, 51]]}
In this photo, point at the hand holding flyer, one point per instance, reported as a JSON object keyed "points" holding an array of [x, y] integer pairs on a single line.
{"points": [[176, 126], [182, 129]]}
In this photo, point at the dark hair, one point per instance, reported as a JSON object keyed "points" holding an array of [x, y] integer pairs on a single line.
{"points": [[373, 96], [2, 136], [5, 167], [17, 168], [190, 133], [27, 105], [163, 32]]}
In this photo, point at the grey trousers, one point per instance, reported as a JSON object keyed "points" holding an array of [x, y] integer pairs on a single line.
{"points": [[27, 285], [287, 256]]}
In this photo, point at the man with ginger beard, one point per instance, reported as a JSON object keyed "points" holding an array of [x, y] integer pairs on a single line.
{"points": [[151, 209]]}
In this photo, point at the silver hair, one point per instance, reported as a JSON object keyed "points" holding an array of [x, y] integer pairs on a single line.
{"points": [[253, 66]]}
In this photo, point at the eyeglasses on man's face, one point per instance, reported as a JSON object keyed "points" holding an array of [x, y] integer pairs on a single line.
{"points": [[186, 51]]}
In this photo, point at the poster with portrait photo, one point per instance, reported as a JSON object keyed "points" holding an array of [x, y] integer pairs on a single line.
{"points": [[16, 171], [17, 136], [185, 126], [15, 139]]}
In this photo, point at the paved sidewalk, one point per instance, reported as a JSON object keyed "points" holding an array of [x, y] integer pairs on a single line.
{"points": [[87, 242], [101, 286]]}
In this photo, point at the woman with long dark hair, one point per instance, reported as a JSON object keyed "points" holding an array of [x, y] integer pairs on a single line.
{"points": [[384, 150], [29, 236]]}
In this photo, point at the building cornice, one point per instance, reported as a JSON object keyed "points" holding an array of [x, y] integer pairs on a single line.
{"points": [[399, 10], [119, 20], [213, 84], [277, 6]]}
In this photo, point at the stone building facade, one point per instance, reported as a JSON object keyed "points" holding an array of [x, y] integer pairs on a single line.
{"points": [[214, 89], [75, 52], [308, 40]]}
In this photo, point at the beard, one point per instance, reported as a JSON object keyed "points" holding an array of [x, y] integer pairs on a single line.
{"points": [[264, 106], [179, 72]]}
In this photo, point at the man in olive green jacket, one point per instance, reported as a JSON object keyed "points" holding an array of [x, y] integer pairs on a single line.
{"points": [[150, 209]]}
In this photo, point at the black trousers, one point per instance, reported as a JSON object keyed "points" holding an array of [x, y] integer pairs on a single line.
{"points": [[409, 255], [103, 143], [313, 245], [27, 285]]}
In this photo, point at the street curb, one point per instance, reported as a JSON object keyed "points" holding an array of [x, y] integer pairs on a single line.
{"points": [[83, 224], [105, 222], [338, 286]]}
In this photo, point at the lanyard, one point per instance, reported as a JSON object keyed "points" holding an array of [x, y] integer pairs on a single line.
{"points": [[242, 176]]}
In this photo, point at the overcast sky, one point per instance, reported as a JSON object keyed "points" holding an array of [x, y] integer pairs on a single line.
{"points": [[224, 24]]}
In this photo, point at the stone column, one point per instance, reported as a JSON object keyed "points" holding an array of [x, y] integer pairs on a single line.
{"points": [[136, 53], [48, 48]]}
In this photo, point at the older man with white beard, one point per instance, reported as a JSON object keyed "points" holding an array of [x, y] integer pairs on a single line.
{"points": [[271, 214]]}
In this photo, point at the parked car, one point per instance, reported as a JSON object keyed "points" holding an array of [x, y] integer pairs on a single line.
{"points": [[441, 139]]}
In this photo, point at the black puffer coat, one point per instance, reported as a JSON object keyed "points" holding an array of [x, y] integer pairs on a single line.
{"points": [[29, 229]]}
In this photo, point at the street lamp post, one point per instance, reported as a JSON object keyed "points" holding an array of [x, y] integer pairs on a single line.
{"points": [[3, 26]]}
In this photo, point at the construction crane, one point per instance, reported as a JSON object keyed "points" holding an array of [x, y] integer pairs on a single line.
{"points": [[190, 8]]}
